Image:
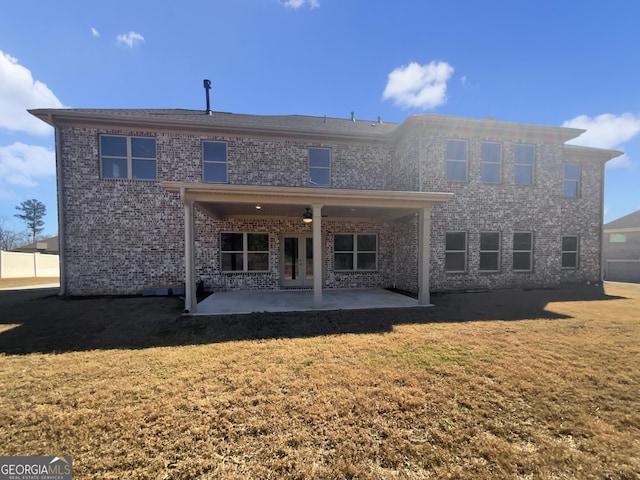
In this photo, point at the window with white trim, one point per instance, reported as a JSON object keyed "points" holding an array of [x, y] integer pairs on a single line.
{"points": [[214, 162], [355, 251], [571, 186], [244, 252], [128, 157], [523, 160], [489, 251], [570, 251], [456, 160], [522, 251], [455, 255], [319, 167], [490, 162]]}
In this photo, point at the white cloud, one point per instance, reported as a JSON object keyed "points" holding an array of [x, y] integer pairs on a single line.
{"points": [[95, 32], [130, 39], [22, 165], [606, 130], [299, 3], [18, 92], [620, 163], [421, 86]]}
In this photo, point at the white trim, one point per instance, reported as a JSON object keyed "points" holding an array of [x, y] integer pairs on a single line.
{"points": [[424, 251], [622, 230], [317, 255]]}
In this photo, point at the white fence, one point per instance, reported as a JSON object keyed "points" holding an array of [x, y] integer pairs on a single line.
{"points": [[22, 265]]}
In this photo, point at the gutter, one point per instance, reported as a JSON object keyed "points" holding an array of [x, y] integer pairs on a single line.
{"points": [[61, 216]]}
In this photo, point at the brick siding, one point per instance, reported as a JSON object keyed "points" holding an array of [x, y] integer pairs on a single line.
{"points": [[122, 236]]}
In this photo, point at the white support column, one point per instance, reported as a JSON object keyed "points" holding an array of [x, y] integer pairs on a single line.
{"points": [[317, 256], [424, 247], [190, 300]]}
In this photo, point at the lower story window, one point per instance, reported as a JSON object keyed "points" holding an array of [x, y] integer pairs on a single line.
{"points": [[355, 251], [490, 251], [570, 251], [244, 252], [455, 252], [522, 251]]}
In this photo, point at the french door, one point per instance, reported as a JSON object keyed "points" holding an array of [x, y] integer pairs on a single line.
{"points": [[297, 260]]}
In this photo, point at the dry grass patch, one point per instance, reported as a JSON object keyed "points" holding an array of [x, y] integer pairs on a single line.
{"points": [[551, 397], [27, 282]]}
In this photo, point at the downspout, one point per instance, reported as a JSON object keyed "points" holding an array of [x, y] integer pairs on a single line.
{"points": [[601, 226], [61, 210], [420, 162]]}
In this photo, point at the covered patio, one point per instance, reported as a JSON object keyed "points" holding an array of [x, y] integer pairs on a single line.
{"points": [[224, 201], [241, 302]]}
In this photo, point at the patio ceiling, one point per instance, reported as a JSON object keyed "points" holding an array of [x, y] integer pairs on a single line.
{"points": [[223, 201]]}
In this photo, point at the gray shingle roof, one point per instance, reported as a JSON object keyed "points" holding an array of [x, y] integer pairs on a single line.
{"points": [[284, 123], [628, 221]]}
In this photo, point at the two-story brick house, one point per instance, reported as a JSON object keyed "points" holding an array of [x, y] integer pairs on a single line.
{"points": [[241, 202]]}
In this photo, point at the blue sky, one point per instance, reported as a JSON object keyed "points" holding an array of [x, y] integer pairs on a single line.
{"points": [[549, 62]]}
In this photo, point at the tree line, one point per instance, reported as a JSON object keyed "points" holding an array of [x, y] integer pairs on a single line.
{"points": [[31, 213]]}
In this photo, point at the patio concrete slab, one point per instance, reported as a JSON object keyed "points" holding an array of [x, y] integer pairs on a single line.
{"points": [[225, 303]]}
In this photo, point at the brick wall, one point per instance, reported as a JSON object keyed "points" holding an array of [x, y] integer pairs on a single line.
{"points": [[122, 236], [208, 254], [507, 208]]}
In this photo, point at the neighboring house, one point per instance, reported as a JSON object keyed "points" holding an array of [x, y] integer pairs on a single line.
{"points": [[46, 245], [240, 202], [621, 249]]}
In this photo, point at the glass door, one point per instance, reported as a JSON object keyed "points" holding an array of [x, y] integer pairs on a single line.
{"points": [[297, 260]]}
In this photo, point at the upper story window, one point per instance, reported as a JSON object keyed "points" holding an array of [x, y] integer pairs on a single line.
{"points": [[214, 162], [456, 161], [571, 187], [455, 255], [319, 167], [128, 157], [523, 159], [490, 162]]}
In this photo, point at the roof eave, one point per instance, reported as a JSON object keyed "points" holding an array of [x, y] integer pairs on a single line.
{"points": [[60, 117], [601, 154], [482, 128]]}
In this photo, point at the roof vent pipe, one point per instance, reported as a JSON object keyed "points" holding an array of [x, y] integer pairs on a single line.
{"points": [[353, 116], [207, 87]]}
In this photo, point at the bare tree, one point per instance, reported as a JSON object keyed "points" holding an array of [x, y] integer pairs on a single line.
{"points": [[10, 239], [33, 211]]}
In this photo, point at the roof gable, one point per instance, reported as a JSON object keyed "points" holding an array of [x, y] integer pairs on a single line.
{"points": [[628, 221]]}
